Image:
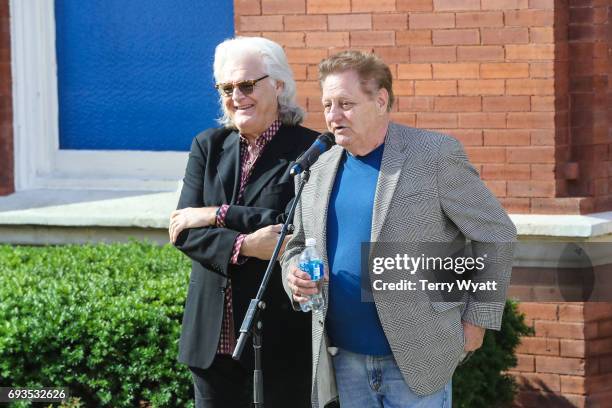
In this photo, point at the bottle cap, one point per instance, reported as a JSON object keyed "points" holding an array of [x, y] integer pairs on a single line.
{"points": [[311, 242]]}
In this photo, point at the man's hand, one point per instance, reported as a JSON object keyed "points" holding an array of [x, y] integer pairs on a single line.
{"points": [[260, 244], [472, 335], [301, 285], [190, 218]]}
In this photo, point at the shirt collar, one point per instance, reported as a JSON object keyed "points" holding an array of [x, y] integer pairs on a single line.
{"points": [[265, 137]]}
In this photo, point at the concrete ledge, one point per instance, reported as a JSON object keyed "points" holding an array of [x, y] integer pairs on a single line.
{"points": [[60, 216]]}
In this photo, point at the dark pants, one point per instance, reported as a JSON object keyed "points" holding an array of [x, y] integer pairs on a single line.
{"points": [[227, 384]]}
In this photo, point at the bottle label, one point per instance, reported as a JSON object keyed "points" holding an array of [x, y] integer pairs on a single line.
{"points": [[314, 268]]}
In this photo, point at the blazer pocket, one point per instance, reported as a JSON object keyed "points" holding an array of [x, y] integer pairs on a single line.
{"points": [[444, 306]]}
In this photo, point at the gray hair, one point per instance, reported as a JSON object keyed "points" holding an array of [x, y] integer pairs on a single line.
{"points": [[276, 66]]}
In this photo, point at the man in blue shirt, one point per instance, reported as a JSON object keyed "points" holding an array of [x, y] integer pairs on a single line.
{"points": [[385, 182]]}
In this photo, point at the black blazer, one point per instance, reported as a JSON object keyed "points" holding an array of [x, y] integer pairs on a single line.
{"points": [[212, 179]]}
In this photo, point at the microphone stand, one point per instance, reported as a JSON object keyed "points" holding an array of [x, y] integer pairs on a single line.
{"points": [[252, 324]]}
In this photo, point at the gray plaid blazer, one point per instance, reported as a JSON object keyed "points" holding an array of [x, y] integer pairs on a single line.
{"points": [[427, 191]]}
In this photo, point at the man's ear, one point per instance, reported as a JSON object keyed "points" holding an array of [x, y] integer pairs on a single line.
{"points": [[382, 100], [280, 85]]}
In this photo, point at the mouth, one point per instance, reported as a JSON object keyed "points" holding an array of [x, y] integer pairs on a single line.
{"points": [[243, 107], [339, 128]]}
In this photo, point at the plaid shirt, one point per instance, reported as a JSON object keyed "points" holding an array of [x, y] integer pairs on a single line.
{"points": [[248, 157]]}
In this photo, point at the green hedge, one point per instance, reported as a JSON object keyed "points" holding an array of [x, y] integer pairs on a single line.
{"points": [[104, 321]]}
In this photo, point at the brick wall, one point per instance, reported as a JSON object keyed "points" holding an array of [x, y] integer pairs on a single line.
{"points": [[493, 73], [6, 104], [569, 360]]}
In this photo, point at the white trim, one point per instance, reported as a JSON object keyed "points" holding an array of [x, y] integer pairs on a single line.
{"points": [[583, 226], [39, 163]]}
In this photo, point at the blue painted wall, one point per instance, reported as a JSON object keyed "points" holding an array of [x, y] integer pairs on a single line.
{"points": [[137, 74]]}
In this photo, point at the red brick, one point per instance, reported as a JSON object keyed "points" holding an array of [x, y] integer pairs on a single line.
{"points": [[533, 188], [598, 310], [305, 56], [414, 5], [314, 104], [573, 384], [327, 39], [432, 120], [456, 71], [436, 88], [393, 55], [414, 71], [452, 5], [564, 330], [505, 137], [538, 345], [541, 4], [497, 187], [505, 35], [392, 21], [530, 52], [328, 6], [286, 39], [598, 347], [504, 70], [486, 154], [504, 4], [315, 122], [482, 120], [467, 137], [308, 88], [415, 104], [533, 120], [457, 104], [505, 171], [373, 5], [402, 87], [362, 38], [572, 348], [560, 365], [525, 363], [481, 87], [261, 23], [350, 22], [408, 119], [480, 53], [418, 21], [413, 37], [541, 35], [283, 6], [480, 19], [516, 205], [570, 312], [531, 154], [305, 23], [247, 7], [530, 18], [541, 69], [506, 104], [530, 87], [433, 54], [538, 381], [542, 171], [454, 37], [599, 386], [543, 103]]}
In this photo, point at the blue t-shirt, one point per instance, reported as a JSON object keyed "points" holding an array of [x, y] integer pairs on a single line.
{"points": [[352, 324]]}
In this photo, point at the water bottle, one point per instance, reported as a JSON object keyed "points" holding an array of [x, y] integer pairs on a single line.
{"points": [[310, 262]]}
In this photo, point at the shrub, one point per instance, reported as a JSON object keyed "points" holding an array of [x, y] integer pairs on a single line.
{"points": [[102, 320], [481, 381]]}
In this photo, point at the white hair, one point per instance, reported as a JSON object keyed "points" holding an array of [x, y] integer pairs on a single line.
{"points": [[275, 65]]}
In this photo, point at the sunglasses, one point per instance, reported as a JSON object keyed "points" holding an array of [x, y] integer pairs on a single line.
{"points": [[246, 87]]}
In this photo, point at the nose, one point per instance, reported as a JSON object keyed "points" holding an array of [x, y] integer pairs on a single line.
{"points": [[237, 94], [334, 114]]}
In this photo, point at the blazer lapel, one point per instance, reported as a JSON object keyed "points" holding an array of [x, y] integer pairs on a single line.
{"points": [[394, 157], [324, 183], [228, 167]]}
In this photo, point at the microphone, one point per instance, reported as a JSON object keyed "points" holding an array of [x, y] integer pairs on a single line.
{"points": [[323, 143]]}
